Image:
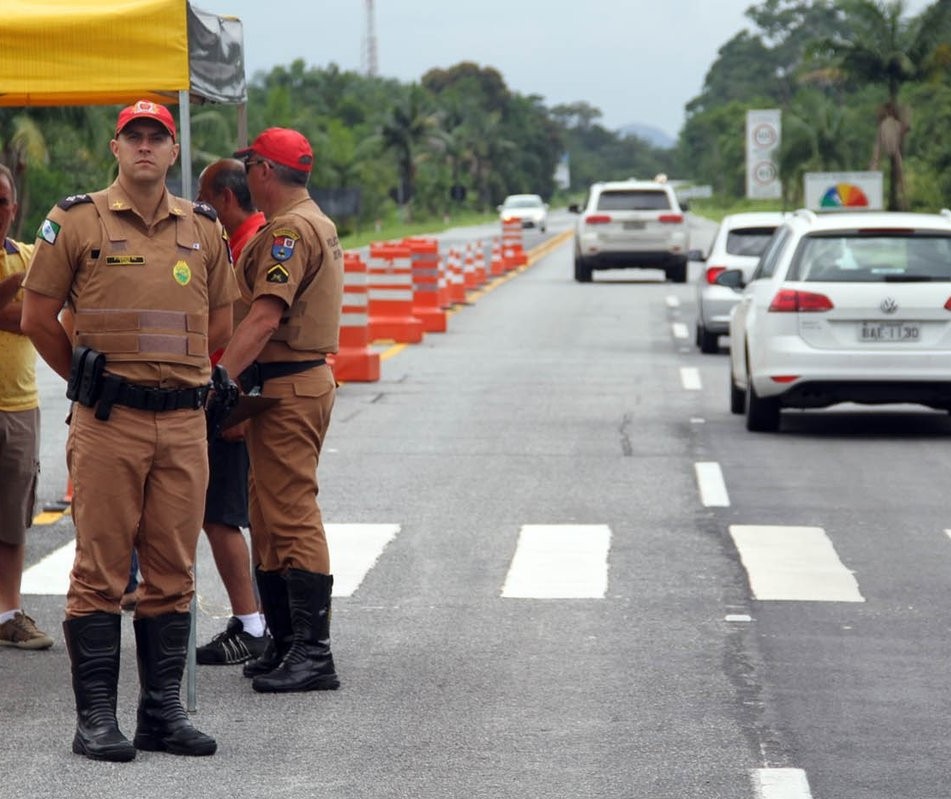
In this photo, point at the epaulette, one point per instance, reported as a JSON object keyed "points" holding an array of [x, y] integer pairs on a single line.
{"points": [[74, 199], [206, 210]]}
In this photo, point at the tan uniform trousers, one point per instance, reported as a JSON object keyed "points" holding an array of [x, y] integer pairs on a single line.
{"points": [[139, 479], [284, 442]]}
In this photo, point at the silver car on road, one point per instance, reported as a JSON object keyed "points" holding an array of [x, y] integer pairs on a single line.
{"points": [[738, 243]]}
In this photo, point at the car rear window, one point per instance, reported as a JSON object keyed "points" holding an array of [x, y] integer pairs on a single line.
{"points": [[875, 258], [633, 200], [748, 241], [523, 202]]}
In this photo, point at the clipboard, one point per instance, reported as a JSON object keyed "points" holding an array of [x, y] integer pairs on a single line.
{"points": [[247, 407]]}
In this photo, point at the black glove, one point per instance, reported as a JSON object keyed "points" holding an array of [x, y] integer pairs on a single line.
{"points": [[221, 399]]}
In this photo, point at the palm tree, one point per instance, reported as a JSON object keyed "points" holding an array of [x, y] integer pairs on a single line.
{"points": [[888, 49], [815, 139], [406, 130]]}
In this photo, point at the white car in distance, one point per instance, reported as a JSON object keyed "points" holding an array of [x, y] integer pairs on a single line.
{"points": [[530, 209], [843, 307]]}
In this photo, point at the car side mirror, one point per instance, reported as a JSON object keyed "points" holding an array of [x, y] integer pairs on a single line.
{"points": [[574, 208], [695, 255], [731, 278], [684, 205]]}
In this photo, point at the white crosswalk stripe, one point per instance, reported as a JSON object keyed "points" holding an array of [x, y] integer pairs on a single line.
{"points": [[793, 563], [354, 548], [559, 561], [781, 783]]}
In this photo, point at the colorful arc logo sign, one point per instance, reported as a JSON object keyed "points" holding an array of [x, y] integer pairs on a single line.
{"points": [[844, 195]]}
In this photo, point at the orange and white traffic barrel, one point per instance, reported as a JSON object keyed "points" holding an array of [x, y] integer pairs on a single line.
{"points": [[390, 295], [497, 266], [427, 283], [513, 253], [354, 361]]}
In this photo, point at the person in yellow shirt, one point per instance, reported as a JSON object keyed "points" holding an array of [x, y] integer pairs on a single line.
{"points": [[19, 432]]}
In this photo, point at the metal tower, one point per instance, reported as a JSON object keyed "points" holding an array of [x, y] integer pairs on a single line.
{"points": [[369, 42]]}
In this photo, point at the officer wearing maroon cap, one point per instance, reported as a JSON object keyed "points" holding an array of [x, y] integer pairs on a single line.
{"points": [[288, 321], [147, 280]]}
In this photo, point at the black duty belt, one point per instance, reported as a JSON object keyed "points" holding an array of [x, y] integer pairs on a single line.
{"points": [[143, 398], [259, 373]]}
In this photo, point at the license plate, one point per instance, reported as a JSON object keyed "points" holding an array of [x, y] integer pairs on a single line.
{"points": [[890, 331], [635, 225]]}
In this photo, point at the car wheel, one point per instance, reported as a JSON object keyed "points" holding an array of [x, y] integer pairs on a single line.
{"points": [[737, 397], [709, 342], [678, 272], [582, 270], [762, 413], [543, 228]]}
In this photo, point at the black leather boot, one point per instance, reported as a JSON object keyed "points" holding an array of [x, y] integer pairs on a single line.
{"points": [[93, 645], [308, 664], [163, 725], [277, 613]]}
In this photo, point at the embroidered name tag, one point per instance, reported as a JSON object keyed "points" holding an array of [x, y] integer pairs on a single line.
{"points": [[125, 260]]}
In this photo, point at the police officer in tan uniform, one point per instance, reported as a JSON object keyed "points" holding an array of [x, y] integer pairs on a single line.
{"points": [[288, 321], [148, 283]]}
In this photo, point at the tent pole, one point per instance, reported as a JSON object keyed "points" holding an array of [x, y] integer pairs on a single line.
{"points": [[185, 139], [185, 157], [242, 126]]}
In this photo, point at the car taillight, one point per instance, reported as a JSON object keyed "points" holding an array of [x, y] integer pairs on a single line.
{"points": [[712, 272], [597, 219], [792, 301], [675, 219], [947, 305], [784, 378]]}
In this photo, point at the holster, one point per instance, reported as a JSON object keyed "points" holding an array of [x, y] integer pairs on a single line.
{"points": [[222, 400], [86, 376]]}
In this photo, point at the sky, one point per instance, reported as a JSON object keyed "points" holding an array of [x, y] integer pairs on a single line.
{"points": [[638, 61]]}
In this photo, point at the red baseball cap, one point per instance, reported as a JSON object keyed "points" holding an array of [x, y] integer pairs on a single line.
{"points": [[282, 146], [146, 109]]}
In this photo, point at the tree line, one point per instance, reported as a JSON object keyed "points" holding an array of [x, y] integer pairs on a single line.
{"points": [[860, 83]]}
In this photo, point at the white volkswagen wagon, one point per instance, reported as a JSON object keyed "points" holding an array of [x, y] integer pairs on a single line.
{"points": [[843, 307]]}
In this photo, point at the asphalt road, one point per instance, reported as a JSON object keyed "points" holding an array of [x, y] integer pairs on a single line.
{"points": [[584, 410]]}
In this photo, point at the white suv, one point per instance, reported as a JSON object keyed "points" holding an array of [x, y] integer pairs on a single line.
{"points": [[843, 307], [631, 223]]}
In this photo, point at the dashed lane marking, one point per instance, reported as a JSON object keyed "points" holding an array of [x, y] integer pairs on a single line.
{"points": [[710, 482], [690, 378], [559, 561], [793, 563], [679, 330]]}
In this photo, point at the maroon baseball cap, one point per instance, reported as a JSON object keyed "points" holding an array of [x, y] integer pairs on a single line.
{"points": [[146, 109], [282, 146]]}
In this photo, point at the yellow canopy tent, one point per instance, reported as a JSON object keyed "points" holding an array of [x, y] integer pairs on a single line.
{"points": [[103, 52]]}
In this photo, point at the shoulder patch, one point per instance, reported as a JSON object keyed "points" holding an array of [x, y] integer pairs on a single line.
{"points": [[74, 199], [276, 274], [206, 210]]}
